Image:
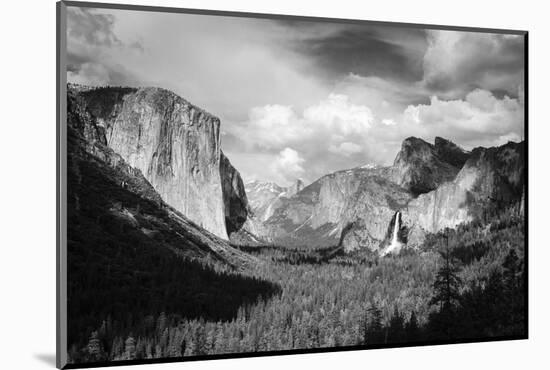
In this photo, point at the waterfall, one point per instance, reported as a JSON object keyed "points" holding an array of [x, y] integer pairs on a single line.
{"points": [[394, 240], [395, 244]]}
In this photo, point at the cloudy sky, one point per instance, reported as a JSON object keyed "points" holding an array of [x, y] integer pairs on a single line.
{"points": [[301, 99]]}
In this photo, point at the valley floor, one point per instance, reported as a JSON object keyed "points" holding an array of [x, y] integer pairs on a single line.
{"points": [[328, 299]]}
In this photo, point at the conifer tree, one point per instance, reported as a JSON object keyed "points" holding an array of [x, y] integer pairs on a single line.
{"points": [[447, 282], [411, 328], [375, 330], [396, 326], [446, 292], [95, 349], [130, 348], [511, 269]]}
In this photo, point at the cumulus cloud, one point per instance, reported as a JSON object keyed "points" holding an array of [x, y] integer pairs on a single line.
{"points": [[288, 165], [338, 115], [332, 119], [478, 119], [336, 134], [273, 126], [304, 98], [329, 133]]}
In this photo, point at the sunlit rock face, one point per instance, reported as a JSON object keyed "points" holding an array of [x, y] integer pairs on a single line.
{"points": [[361, 201], [177, 148], [176, 145], [353, 208], [125, 198], [490, 177], [357, 208]]}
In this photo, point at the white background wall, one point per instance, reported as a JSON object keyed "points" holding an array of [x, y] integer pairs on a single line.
{"points": [[27, 184]]}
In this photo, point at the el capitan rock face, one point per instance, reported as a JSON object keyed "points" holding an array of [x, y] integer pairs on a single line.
{"points": [[176, 146], [114, 199]]}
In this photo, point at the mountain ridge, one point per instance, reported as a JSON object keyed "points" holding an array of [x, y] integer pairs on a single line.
{"points": [[176, 146], [354, 208], [421, 166]]}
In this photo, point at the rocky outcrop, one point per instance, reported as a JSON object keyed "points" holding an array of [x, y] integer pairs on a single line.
{"points": [[81, 119], [262, 197], [113, 198], [266, 197], [500, 172], [522, 203], [176, 146], [293, 189], [431, 187], [449, 152], [421, 167], [361, 201], [234, 196], [490, 178]]}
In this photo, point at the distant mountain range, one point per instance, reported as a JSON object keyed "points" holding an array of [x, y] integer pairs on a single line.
{"points": [[172, 148], [432, 186], [265, 197]]}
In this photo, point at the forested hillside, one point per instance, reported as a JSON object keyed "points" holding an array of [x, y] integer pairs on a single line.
{"points": [[130, 256], [464, 284]]}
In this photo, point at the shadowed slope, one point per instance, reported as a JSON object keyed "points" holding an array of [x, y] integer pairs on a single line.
{"points": [[130, 255]]}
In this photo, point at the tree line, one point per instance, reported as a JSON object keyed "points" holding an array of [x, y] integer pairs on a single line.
{"points": [[466, 283]]}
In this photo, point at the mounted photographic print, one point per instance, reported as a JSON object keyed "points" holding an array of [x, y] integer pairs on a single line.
{"points": [[235, 184]]}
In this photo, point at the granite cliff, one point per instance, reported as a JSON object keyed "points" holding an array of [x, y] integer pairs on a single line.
{"points": [[265, 197], [360, 200], [176, 146], [234, 196], [490, 178], [430, 187], [113, 199], [421, 167]]}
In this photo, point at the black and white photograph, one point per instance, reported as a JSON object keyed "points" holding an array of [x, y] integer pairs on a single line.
{"points": [[241, 184]]}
